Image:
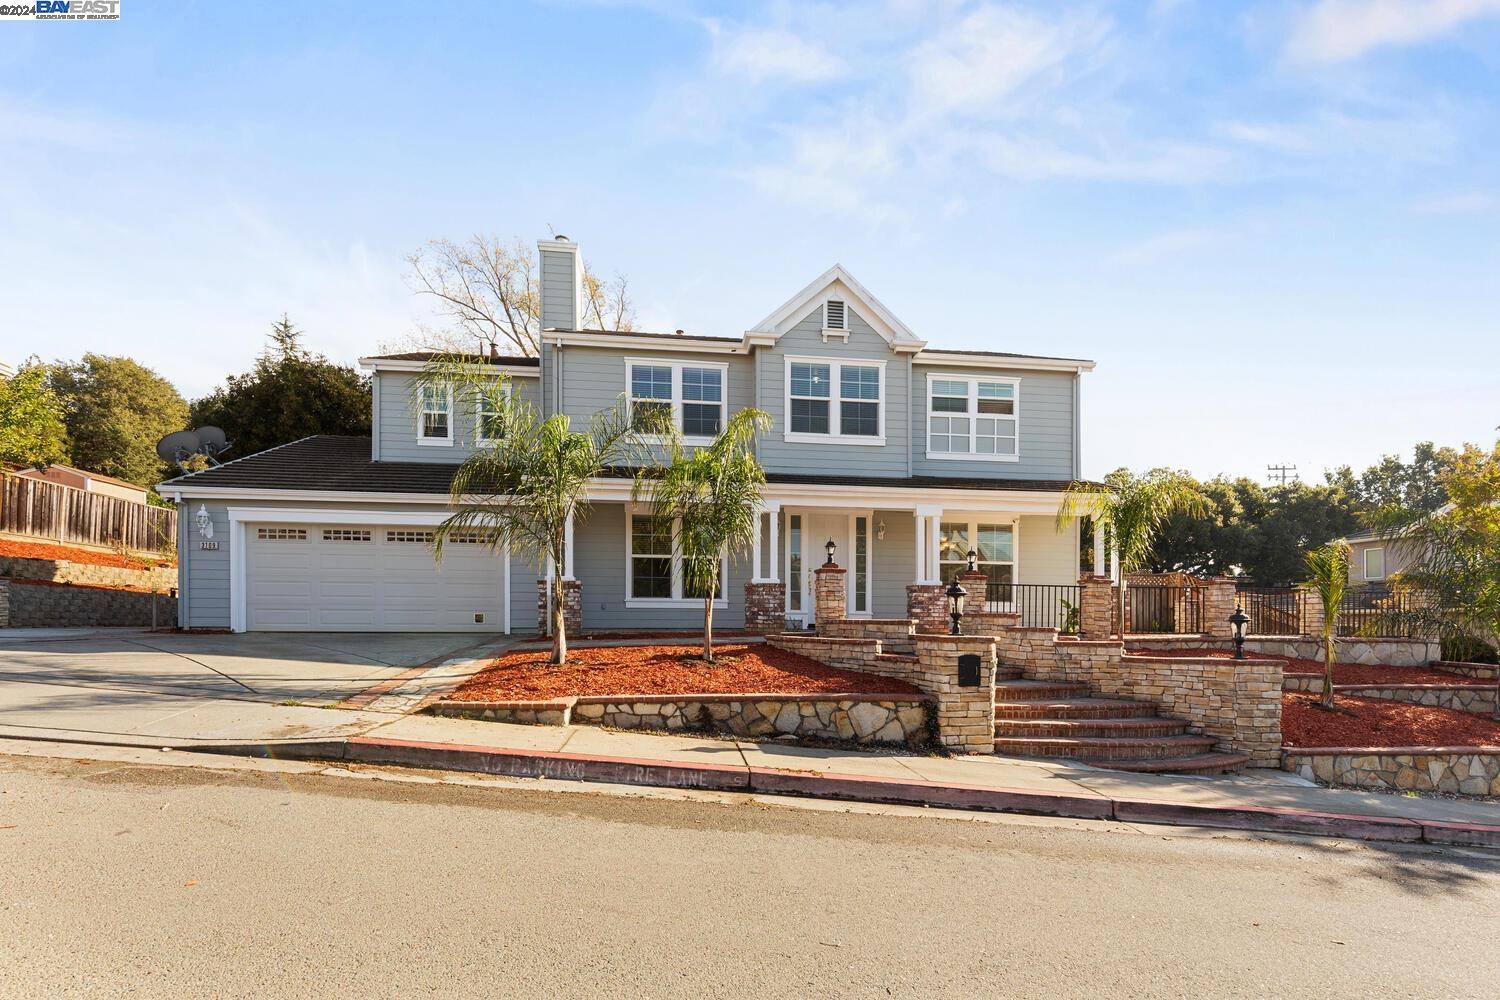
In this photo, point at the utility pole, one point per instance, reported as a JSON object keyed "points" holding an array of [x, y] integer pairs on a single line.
{"points": [[1280, 474]]}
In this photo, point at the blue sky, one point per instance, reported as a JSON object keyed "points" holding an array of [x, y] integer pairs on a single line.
{"points": [[1275, 225]]}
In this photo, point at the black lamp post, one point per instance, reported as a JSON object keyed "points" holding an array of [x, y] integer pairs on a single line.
{"points": [[1239, 620], [829, 549], [956, 595]]}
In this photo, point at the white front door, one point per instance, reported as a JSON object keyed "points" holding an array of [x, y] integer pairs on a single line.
{"points": [[815, 528]]}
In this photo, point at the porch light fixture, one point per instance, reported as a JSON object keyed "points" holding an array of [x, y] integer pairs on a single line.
{"points": [[973, 561], [956, 595], [204, 521], [1239, 620], [829, 549]]}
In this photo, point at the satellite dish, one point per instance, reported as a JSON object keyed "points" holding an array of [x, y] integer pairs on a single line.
{"points": [[180, 447], [212, 442]]}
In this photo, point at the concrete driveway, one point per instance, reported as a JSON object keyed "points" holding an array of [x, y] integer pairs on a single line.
{"points": [[166, 685]]}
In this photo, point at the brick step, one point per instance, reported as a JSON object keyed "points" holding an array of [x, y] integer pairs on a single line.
{"points": [[1033, 690], [1073, 708], [1137, 727], [1201, 763], [1104, 749]]}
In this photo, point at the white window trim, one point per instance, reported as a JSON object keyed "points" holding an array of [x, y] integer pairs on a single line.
{"points": [[440, 442], [676, 600], [479, 438], [973, 415], [677, 400], [1365, 562], [835, 366]]}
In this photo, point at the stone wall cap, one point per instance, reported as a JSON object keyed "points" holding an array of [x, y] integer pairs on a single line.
{"points": [[1388, 751], [667, 699], [830, 568]]}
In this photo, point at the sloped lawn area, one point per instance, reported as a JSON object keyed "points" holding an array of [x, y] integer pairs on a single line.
{"points": [[666, 669], [66, 553], [1374, 722]]}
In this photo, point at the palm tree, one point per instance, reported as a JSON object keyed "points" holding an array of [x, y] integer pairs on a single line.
{"points": [[524, 487], [1132, 511], [1328, 576], [712, 495]]}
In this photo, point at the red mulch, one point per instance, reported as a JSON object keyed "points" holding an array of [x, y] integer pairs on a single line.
{"points": [[66, 553], [1343, 673], [1373, 722], [675, 669]]}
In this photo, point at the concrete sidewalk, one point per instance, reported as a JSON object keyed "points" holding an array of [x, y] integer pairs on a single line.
{"points": [[1271, 800]]}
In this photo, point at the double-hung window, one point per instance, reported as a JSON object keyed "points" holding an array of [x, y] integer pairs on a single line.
{"points": [[973, 418], [1375, 563], [830, 400], [994, 547], [693, 396], [487, 423], [658, 573], [435, 419]]}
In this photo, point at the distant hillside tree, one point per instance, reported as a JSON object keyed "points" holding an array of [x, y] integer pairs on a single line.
{"points": [[32, 431], [290, 394], [491, 293], [116, 410]]}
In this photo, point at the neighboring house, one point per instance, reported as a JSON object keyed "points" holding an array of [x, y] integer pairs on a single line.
{"points": [[903, 455], [89, 482], [1373, 559], [6, 371]]}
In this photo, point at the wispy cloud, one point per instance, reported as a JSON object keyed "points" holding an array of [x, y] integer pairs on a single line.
{"points": [[1461, 203], [1336, 31], [773, 55], [1162, 246]]}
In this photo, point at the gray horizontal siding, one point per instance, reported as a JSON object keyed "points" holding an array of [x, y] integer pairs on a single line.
{"points": [[805, 339], [557, 287], [1046, 431], [594, 377], [397, 420], [599, 563]]}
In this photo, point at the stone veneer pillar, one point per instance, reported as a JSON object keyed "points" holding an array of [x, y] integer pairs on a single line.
{"points": [[1312, 611], [830, 601], [1218, 604], [965, 715], [765, 606], [572, 606], [926, 604], [1096, 607]]}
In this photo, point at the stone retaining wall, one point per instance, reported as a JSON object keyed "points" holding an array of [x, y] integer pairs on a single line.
{"points": [[1484, 671], [1480, 700], [853, 718], [895, 634], [33, 604], [158, 578], [1366, 651], [1464, 770]]}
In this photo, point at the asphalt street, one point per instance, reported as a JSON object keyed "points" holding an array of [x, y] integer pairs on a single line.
{"points": [[122, 877]]}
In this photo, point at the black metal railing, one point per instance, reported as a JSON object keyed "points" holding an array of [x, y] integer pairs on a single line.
{"points": [[1163, 608], [1379, 610], [1040, 605], [1272, 610]]}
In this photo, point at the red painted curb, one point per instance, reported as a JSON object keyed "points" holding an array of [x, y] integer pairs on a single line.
{"points": [[871, 788], [1275, 820], [1461, 834]]}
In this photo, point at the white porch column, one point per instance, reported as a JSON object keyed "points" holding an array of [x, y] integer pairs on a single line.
{"points": [[935, 548], [1098, 549], [929, 542], [1114, 559], [773, 514], [755, 559], [568, 549], [919, 564]]}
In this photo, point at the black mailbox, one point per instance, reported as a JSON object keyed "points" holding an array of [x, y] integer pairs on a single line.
{"points": [[968, 670]]}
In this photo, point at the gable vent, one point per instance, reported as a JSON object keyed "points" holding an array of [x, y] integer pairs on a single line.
{"points": [[833, 315]]}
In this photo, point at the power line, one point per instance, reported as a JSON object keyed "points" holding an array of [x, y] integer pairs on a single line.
{"points": [[1280, 474]]}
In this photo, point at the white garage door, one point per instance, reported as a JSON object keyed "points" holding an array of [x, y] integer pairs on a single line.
{"points": [[357, 578]]}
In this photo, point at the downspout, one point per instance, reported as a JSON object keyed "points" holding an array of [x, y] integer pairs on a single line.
{"points": [[375, 417], [910, 388], [183, 512], [1077, 428]]}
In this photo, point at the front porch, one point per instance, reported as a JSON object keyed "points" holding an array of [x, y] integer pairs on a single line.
{"points": [[898, 552]]}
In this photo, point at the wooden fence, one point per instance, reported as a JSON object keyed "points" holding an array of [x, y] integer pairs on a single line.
{"points": [[55, 513]]}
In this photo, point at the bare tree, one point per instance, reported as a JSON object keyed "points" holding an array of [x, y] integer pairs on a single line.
{"points": [[491, 292]]}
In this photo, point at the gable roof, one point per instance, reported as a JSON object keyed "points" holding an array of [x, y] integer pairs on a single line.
{"points": [[836, 282]]}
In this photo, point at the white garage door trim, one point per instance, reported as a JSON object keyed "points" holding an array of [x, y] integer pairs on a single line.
{"points": [[239, 516]]}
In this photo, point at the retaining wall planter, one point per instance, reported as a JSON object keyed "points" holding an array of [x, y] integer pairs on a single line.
{"points": [[1484, 671], [1458, 697], [851, 718], [1461, 770], [1376, 651], [160, 578]]}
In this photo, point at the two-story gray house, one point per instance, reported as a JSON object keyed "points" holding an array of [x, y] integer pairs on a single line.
{"points": [[903, 455]]}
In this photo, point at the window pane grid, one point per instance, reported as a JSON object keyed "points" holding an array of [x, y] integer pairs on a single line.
{"points": [[977, 417]]}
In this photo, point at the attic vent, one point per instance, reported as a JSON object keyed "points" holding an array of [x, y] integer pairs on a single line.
{"points": [[833, 315]]}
